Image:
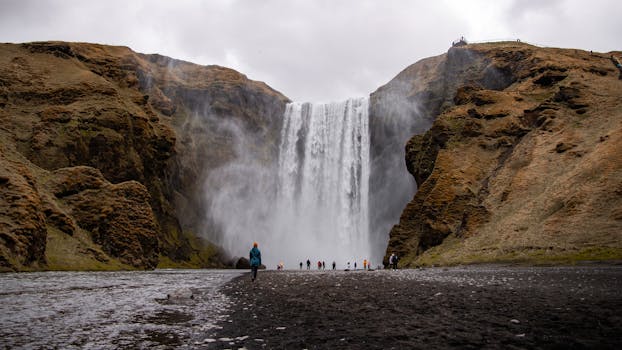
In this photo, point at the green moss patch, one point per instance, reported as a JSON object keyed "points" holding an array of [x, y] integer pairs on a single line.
{"points": [[204, 254], [77, 253]]}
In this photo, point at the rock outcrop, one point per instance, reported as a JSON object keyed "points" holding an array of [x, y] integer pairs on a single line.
{"points": [[118, 216], [22, 228], [522, 162], [98, 141]]}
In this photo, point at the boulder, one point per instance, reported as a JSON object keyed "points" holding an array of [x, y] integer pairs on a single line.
{"points": [[242, 264]]}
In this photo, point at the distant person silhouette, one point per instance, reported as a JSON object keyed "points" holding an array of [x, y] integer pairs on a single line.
{"points": [[393, 259], [334, 265], [308, 264], [301, 265], [255, 260], [323, 265]]}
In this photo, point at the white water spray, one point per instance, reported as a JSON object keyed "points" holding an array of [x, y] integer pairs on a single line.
{"points": [[323, 183], [313, 203]]}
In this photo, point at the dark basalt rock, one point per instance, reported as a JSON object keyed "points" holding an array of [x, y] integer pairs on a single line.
{"points": [[242, 264]]}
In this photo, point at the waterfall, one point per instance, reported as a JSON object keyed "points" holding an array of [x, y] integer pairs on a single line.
{"points": [[322, 195], [311, 203]]}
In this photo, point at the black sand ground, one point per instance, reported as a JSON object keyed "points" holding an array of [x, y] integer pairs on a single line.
{"points": [[470, 308]]}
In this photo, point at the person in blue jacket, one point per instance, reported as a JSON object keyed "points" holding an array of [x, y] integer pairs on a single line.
{"points": [[255, 260]]}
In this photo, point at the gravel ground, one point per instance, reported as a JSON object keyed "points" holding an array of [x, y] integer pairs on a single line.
{"points": [[464, 307]]}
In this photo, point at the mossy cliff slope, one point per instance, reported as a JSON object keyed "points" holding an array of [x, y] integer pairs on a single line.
{"points": [[97, 146], [522, 163]]}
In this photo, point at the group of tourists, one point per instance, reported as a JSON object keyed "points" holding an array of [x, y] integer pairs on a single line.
{"points": [[255, 262], [321, 265]]}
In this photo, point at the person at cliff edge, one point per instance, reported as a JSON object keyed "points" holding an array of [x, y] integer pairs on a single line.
{"points": [[255, 260]]}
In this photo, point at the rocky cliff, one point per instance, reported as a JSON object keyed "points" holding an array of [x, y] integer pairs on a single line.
{"points": [[104, 155], [100, 163], [523, 161]]}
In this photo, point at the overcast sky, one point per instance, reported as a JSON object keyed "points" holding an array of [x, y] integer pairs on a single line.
{"points": [[312, 50]]}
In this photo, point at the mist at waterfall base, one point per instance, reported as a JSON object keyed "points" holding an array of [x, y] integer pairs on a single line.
{"points": [[313, 200], [323, 182], [309, 203]]}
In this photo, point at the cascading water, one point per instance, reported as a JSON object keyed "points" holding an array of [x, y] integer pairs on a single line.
{"points": [[322, 192], [312, 203]]}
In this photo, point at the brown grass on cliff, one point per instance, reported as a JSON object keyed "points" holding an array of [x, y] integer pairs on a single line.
{"points": [[125, 115], [527, 172]]}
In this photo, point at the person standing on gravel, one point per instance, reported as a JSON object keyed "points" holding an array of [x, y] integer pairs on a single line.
{"points": [[393, 261], [255, 260], [308, 264]]}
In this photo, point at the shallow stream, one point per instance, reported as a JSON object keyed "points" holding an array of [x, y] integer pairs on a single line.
{"points": [[111, 310]]}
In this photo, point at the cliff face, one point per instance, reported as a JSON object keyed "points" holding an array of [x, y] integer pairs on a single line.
{"points": [[408, 105], [522, 163], [96, 150], [104, 154]]}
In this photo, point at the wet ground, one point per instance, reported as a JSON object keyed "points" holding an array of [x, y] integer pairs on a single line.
{"points": [[465, 307], [111, 310]]}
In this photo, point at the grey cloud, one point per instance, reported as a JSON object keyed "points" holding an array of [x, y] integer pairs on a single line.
{"points": [[521, 8], [309, 50]]}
